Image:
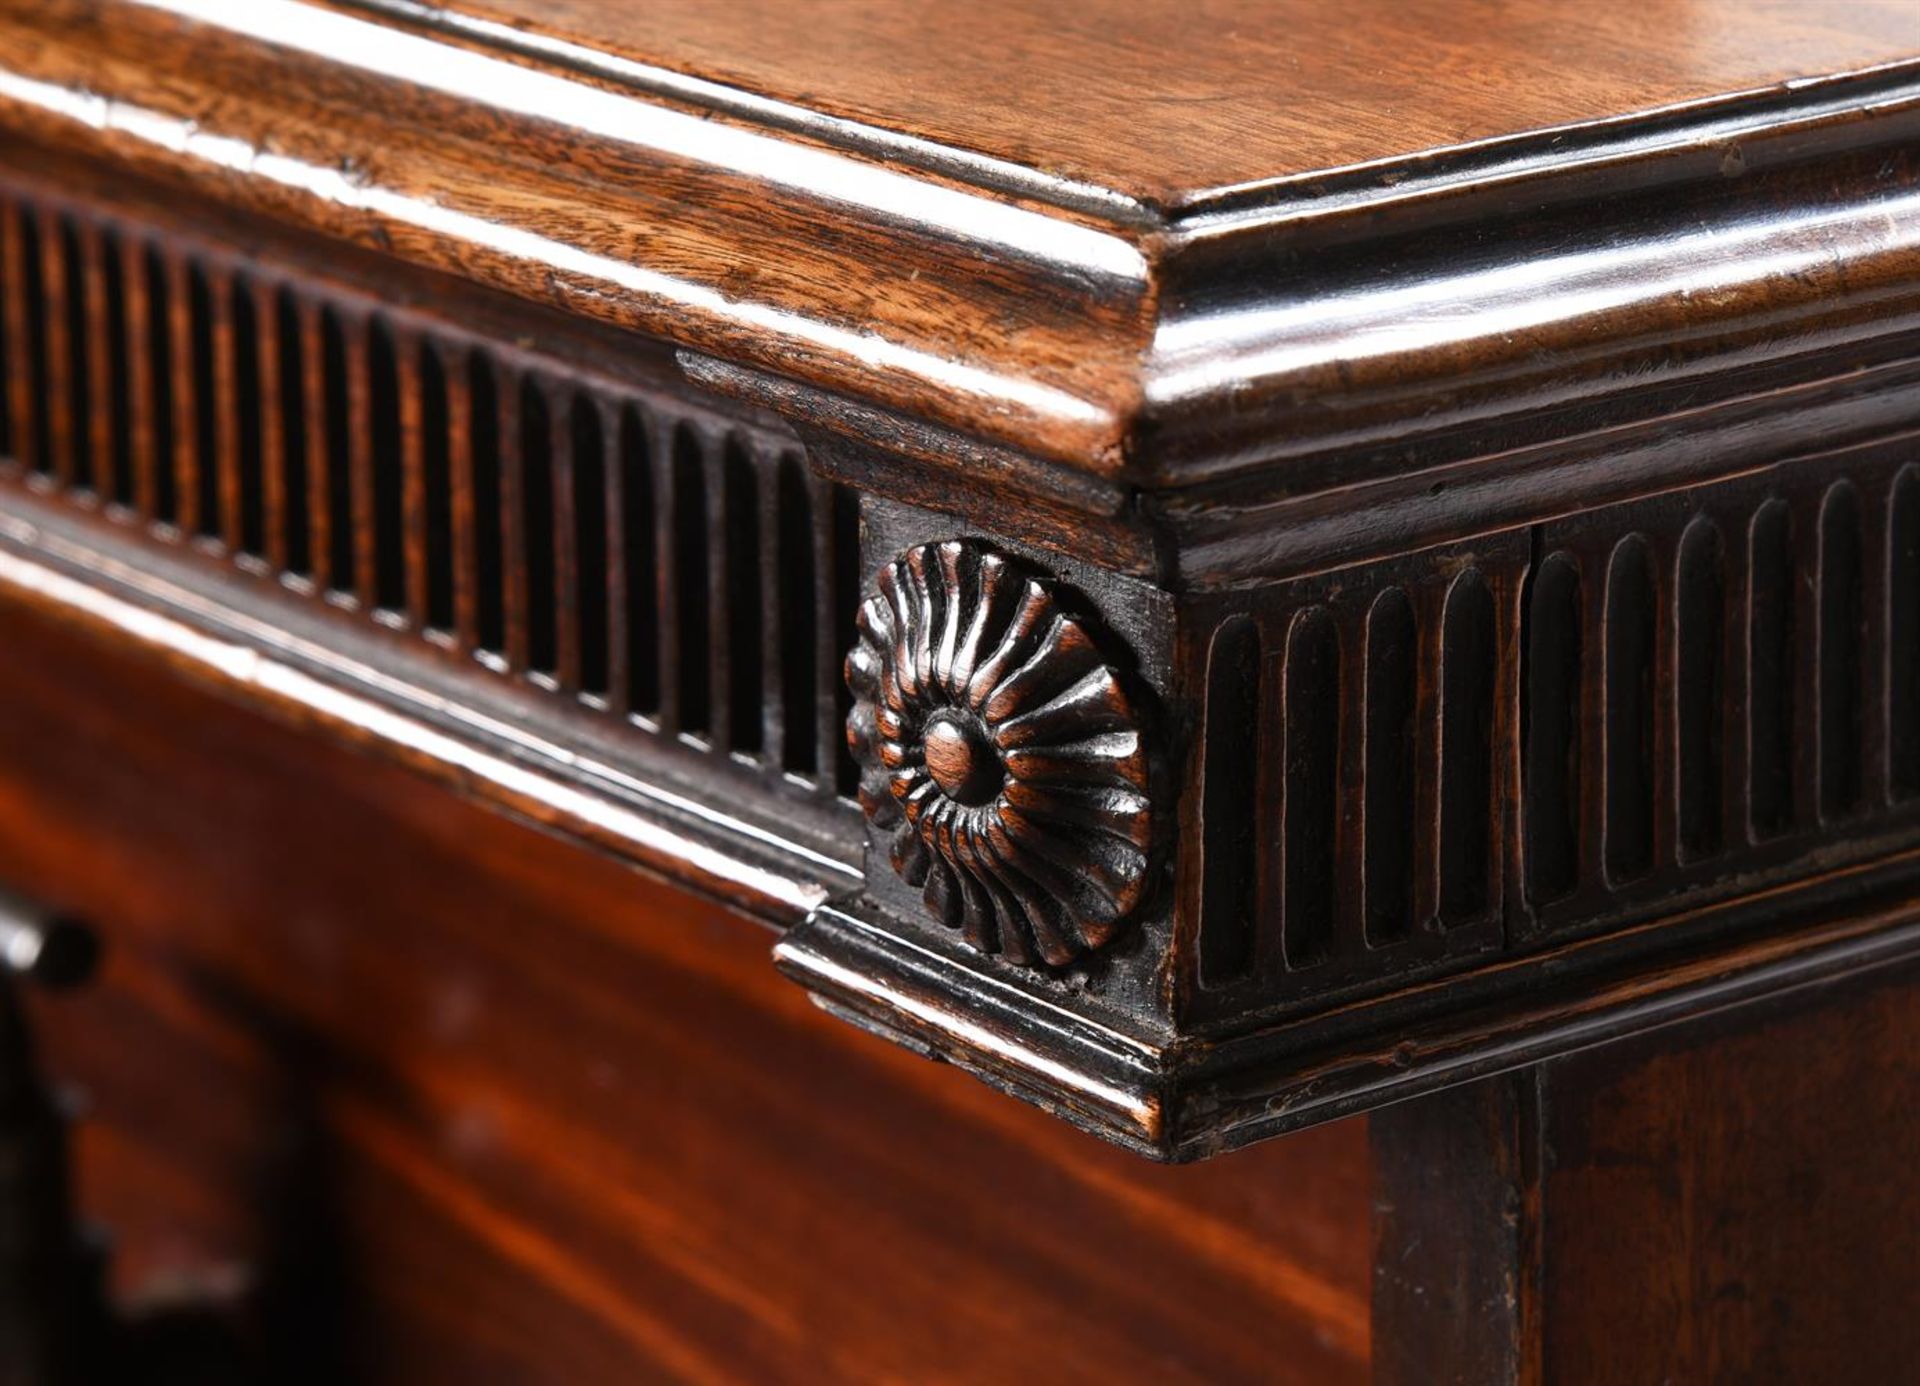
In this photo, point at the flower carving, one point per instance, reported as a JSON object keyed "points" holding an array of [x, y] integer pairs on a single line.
{"points": [[1000, 753]]}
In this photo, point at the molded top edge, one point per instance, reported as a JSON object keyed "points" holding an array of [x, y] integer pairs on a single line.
{"points": [[1151, 336], [1132, 107]]}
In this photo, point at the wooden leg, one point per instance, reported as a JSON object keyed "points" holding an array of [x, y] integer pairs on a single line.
{"points": [[1732, 1200], [1455, 1197]]}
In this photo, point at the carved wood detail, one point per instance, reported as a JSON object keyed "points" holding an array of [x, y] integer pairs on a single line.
{"points": [[1001, 754], [512, 492]]}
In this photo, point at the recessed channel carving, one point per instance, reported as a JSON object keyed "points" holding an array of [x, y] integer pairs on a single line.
{"points": [[1490, 746], [1001, 754], [494, 485]]}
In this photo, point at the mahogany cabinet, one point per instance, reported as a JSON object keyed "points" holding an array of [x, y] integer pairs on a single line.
{"points": [[1320, 603]]}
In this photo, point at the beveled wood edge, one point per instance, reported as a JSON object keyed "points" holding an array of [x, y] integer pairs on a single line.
{"points": [[893, 284], [1115, 373], [1794, 415], [879, 452], [1588, 299], [1183, 1101], [1551, 151], [1685, 142], [1103, 1081], [869, 140], [172, 611]]}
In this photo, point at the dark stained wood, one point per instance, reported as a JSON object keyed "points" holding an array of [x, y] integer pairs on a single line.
{"points": [[541, 1120], [1753, 1169], [1724, 1202], [1003, 763], [1360, 556], [1325, 1000], [1456, 1272], [43, 1278], [347, 454]]}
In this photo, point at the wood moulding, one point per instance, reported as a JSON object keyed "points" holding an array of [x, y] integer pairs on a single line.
{"points": [[1158, 346], [547, 571], [1480, 648]]}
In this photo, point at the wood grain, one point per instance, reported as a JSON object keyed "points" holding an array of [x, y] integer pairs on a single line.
{"points": [[1728, 1201], [1189, 98], [1456, 1227], [486, 1107], [1312, 307], [642, 215], [1733, 1204]]}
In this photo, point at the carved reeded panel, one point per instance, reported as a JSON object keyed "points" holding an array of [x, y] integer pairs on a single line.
{"points": [[588, 530], [1570, 728], [1356, 755], [1722, 683]]}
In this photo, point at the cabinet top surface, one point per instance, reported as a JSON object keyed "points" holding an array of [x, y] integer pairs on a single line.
{"points": [[1169, 100]]}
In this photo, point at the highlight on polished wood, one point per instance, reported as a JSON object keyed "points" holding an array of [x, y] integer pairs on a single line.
{"points": [[554, 516], [1326, 593]]}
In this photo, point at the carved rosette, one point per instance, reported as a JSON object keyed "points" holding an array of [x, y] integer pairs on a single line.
{"points": [[1000, 754]]}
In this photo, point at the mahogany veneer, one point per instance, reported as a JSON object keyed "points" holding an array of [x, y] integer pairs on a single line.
{"points": [[1216, 572]]}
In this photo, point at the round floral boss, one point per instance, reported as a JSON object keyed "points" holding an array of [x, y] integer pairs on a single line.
{"points": [[1000, 754]]}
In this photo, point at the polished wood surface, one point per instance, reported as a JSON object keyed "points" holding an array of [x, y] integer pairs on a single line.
{"points": [[1079, 345], [1377, 558], [1724, 1201], [1758, 1167], [1516, 377], [459, 1102], [607, 204], [1165, 101]]}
